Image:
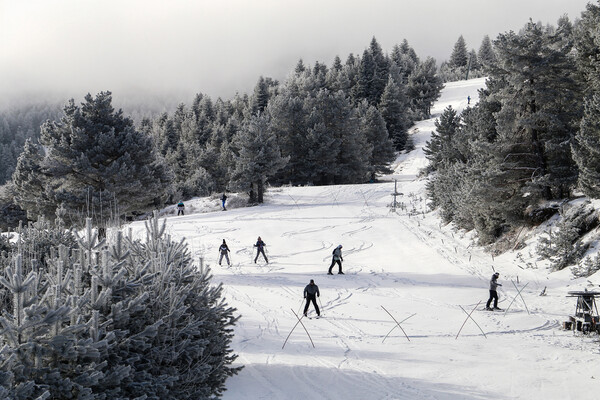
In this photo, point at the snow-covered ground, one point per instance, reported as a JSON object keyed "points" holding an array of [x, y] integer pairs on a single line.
{"points": [[405, 261]]}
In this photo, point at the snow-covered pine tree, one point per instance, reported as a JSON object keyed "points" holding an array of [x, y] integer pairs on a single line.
{"points": [[395, 110], [541, 105], [258, 156], [460, 55], [424, 88], [29, 183], [441, 147], [373, 128], [94, 158], [587, 43], [486, 54], [137, 321], [586, 148]]}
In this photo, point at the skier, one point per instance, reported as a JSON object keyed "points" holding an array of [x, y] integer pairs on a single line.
{"points": [[493, 294], [468, 99], [223, 249], [260, 248], [309, 294], [180, 207], [223, 199], [337, 258]]}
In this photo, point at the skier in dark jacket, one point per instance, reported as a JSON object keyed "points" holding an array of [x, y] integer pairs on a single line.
{"points": [[337, 258], [223, 199], [223, 250], [493, 294], [310, 291], [260, 248]]}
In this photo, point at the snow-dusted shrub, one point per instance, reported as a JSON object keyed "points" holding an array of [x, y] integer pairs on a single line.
{"points": [[587, 267], [121, 320], [563, 247]]}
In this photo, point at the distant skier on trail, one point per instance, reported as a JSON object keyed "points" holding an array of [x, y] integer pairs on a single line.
{"points": [[493, 294], [311, 292], [223, 249], [260, 248], [180, 208], [337, 258], [223, 200], [468, 99]]}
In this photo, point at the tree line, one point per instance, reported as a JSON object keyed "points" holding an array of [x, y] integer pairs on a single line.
{"points": [[322, 125], [532, 140]]}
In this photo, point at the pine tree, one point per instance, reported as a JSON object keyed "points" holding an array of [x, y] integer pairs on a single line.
{"points": [[136, 320], [258, 157], [395, 110], [540, 109], [587, 43], [96, 160], [373, 128], [586, 148], [29, 179], [486, 54], [460, 56], [424, 87], [441, 148]]}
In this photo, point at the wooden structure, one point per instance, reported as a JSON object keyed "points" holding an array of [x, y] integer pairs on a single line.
{"points": [[586, 312]]}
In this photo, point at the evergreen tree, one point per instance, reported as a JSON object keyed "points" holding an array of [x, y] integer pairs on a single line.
{"points": [[587, 43], [586, 148], [258, 157], [395, 110], [380, 76], [364, 83], [373, 128], [424, 88], [138, 320], [440, 148], [460, 56], [540, 109], [95, 160], [486, 54]]}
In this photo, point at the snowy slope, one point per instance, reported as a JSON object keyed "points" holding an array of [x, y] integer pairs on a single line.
{"points": [[404, 261]]}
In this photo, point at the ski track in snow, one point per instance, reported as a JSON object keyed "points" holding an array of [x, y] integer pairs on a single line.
{"points": [[405, 261]]}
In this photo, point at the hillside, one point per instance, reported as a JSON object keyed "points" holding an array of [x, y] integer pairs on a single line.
{"points": [[405, 261]]}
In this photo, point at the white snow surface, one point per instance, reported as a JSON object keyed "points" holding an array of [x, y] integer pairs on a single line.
{"points": [[405, 261]]}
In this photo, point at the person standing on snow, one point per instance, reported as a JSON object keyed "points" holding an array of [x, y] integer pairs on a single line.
{"points": [[180, 207], [493, 294], [337, 258], [260, 248], [223, 249], [223, 199], [311, 292]]}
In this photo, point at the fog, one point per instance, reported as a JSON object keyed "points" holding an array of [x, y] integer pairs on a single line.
{"points": [[177, 48]]}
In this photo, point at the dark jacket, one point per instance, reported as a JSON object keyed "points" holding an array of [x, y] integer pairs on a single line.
{"points": [[224, 249], [311, 290], [337, 253], [493, 283], [260, 244]]}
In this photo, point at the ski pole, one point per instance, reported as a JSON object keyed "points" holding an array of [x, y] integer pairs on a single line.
{"points": [[320, 304], [300, 308]]}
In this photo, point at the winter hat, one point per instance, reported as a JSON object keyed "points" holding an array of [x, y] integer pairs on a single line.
{"points": [[496, 274], [312, 281]]}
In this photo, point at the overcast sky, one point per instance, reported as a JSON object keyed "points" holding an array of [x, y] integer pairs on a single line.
{"points": [[219, 47]]}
